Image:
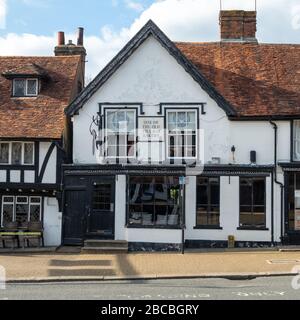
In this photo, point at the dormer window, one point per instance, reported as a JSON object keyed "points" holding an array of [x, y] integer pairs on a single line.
{"points": [[25, 87]]}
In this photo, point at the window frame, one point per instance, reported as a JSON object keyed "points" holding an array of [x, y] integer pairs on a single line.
{"points": [[167, 134], [154, 225], [209, 205], [8, 162], [253, 227], [15, 202], [134, 134], [22, 163], [26, 94]]}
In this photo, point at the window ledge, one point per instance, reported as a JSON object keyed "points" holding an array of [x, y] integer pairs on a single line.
{"points": [[138, 226], [252, 229], [208, 227]]}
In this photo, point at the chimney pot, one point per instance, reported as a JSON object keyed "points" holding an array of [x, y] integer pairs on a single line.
{"points": [[61, 38], [80, 36]]}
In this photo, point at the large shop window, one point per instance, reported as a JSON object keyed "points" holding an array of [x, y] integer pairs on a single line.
{"points": [[208, 202], [253, 203], [120, 133], [21, 209], [296, 140], [182, 134], [17, 153], [154, 201]]}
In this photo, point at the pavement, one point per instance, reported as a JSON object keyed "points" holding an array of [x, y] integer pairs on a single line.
{"points": [[53, 266]]}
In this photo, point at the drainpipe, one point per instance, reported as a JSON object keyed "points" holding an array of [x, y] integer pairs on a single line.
{"points": [[275, 127]]}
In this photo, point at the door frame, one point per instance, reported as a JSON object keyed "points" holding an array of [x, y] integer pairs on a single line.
{"points": [[99, 180]]}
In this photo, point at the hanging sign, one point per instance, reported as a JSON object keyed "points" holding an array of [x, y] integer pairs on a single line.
{"points": [[151, 129]]}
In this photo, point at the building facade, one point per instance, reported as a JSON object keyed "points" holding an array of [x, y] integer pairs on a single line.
{"points": [[34, 135], [188, 143]]}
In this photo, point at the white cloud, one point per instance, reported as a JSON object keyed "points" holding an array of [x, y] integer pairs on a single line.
{"points": [[134, 5], [185, 20], [296, 17], [2, 13]]}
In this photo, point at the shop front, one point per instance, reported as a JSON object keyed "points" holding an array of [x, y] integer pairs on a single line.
{"points": [[95, 208]]}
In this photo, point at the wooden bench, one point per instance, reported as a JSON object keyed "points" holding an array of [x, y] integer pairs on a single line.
{"points": [[32, 231]]}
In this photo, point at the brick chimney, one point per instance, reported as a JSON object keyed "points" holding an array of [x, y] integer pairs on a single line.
{"points": [[71, 49], [238, 26]]}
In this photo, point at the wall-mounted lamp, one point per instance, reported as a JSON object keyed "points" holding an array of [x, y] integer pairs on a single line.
{"points": [[233, 149]]}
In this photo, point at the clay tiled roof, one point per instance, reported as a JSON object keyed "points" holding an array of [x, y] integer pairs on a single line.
{"points": [[41, 116], [258, 80], [30, 69]]}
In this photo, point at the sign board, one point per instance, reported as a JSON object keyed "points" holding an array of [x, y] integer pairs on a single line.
{"points": [[182, 181], [151, 129]]}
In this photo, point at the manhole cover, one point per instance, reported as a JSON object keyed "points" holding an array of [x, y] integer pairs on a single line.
{"points": [[283, 261]]}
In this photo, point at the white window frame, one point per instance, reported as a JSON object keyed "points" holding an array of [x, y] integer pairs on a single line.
{"points": [[20, 203], [168, 134], [9, 148], [15, 203], [26, 87], [22, 154], [133, 134], [34, 204], [3, 203]]}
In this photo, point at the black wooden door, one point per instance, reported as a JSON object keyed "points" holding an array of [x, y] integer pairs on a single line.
{"points": [[101, 216], [74, 217]]}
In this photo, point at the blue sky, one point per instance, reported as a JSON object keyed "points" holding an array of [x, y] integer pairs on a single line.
{"points": [[43, 17], [29, 27]]}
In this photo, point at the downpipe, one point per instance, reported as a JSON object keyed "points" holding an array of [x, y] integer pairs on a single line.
{"points": [[275, 127]]}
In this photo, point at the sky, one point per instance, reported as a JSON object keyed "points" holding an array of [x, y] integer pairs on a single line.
{"points": [[29, 27]]}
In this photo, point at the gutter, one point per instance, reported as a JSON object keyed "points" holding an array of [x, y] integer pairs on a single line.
{"points": [[275, 127]]}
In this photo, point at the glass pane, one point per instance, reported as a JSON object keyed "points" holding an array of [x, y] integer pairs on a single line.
{"points": [[131, 122], [7, 213], [35, 213], [109, 120], [191, 120], [35, 200], [215, 194], [259, 192], [202, 219], [22, 200], [246, 217], [171, 121], [102, 197], [214, 217], [28, 153], [32, 87], [154, 201], [22, 213], [8, 199], [202, 195], [4, 153], [245, 192], [19, 88], [16, 155], [182, 120]]}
